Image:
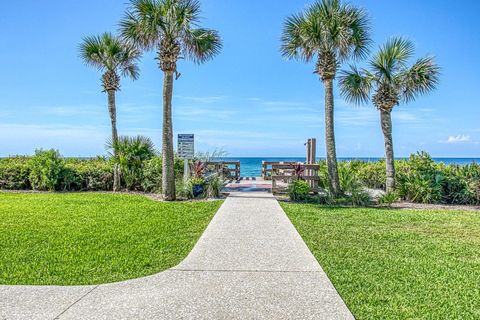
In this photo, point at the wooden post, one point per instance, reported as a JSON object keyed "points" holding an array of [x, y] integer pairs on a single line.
{"points": [[311, 159]]}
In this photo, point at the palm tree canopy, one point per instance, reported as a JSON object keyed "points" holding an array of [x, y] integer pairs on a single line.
{"points": [[327, 28], [161, 24], [136, 148], [110, 54], [391, 76]]}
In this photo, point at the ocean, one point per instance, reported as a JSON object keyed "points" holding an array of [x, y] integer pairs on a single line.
{"points": [[252, 166]]}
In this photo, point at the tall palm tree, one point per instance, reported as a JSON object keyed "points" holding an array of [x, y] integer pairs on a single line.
{"points": [[389, 82], [171, 28], [115, 58], [330, 32]]}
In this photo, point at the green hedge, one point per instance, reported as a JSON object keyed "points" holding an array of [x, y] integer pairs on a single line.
{"points": [[418, 179], [49, 171]]}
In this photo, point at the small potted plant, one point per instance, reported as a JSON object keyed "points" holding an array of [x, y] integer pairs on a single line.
{"points": [[198, 182]]}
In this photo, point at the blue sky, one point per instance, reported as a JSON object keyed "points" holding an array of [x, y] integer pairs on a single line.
{"points": [[249, 100]]}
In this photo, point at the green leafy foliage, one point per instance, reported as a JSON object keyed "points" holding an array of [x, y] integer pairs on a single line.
{"points": [[87, 175], [388, 199], [152, 175], [299, 190], [184, 188], [46, 169], [132, 153], [214, 187], [14, 173], [373, 174], [352, 186], [418, 179]]}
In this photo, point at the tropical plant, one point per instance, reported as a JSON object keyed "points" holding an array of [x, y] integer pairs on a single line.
{"points": [[298, 170], [331, 32], [170, 27], [298, 190], [114, 57], [198, 169], [184, 188], [132, 153], [152, 175], [388, 199], [214, 187], [389, 82], [46, 168]]}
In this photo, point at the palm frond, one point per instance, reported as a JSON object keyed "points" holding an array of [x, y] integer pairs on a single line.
{"points": [[202, 44], [130, 149], [91, 52], [327, 27], [421, 78], [293, 41], [142, 24], [148, 23], [109, 53], [355, 85], [392, 57], [360, 32]]}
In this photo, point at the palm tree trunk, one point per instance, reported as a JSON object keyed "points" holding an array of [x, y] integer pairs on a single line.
{"points": [[386, 121], [333, 181], [112, 109], [168, 173]]}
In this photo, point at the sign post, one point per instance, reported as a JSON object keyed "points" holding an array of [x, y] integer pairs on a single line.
{"points": [[186, 151]]}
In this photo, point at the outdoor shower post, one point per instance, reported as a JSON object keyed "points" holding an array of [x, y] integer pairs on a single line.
{"points": [[311, 156]]}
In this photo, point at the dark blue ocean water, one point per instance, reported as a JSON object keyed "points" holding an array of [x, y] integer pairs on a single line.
{"points": [[252, 167]]}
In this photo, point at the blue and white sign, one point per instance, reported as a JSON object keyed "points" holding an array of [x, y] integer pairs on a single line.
{"points": [[186, 146]]}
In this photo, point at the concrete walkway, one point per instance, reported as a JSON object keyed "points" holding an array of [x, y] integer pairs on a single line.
{"points": [[249, 264]]}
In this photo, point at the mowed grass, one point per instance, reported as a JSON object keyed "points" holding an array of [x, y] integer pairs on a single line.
{"points": [[397, 264], [87, 238]]}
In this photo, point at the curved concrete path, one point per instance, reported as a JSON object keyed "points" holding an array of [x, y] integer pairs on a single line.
{"points": [[250, 263]]}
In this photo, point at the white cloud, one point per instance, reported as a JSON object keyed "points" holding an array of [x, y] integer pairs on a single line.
{"points": [[461, 138], [205, 100]]}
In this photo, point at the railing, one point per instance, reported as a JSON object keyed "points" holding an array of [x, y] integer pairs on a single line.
{"points": [[224, 168], [267, 168], [285, 173]]}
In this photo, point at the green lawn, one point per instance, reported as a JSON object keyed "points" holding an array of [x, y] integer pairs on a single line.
{"points": [[397, 264], [87, 238]]}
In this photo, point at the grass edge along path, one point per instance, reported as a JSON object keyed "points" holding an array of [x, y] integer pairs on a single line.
{"points": [[396, 264], [93, 238]]}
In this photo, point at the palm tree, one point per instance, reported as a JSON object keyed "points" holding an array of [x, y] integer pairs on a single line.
{"points": [[114, 58], [331, 32], [132, 152], [392, 81], [171, 28]]}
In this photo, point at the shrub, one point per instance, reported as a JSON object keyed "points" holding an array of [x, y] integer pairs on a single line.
{"points": [[132, 152], [14, 173], [46, 169], [88, 175], [184, 189], [298, 190], [372, 174], [323, 174], [388, 199], [152, 175], [214, 187]]}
